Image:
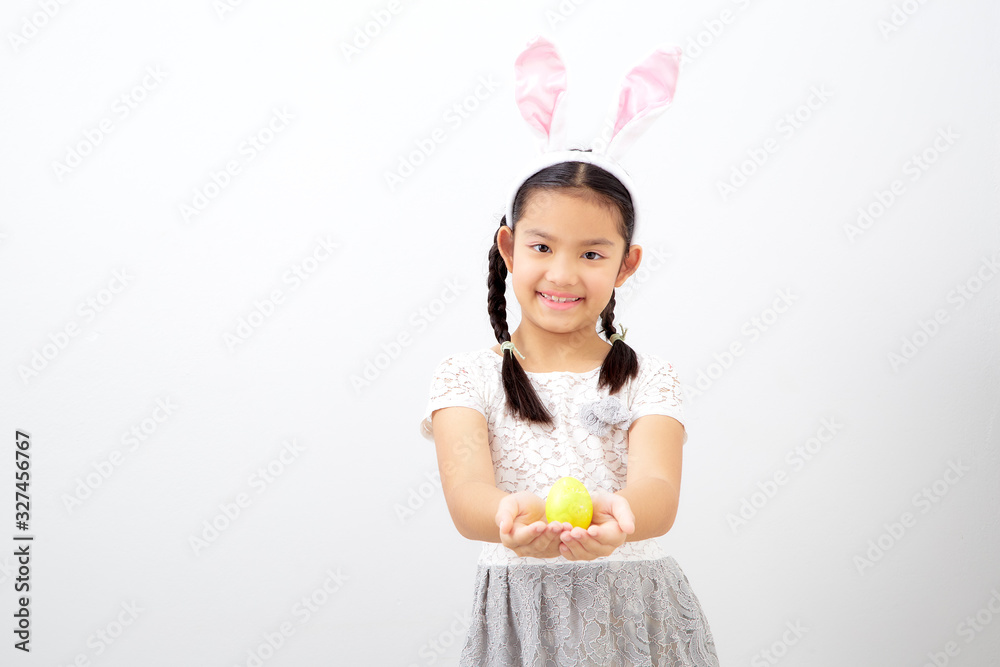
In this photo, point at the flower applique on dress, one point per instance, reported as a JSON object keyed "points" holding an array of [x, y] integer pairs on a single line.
{"points": [[599, 416]]}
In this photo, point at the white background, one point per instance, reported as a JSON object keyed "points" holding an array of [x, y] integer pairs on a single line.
{"points": [[879, 338]]}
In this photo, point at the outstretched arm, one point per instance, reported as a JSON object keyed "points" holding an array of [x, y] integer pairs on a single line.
{"points": [[478, 508], [646, 507], [653, 480]]}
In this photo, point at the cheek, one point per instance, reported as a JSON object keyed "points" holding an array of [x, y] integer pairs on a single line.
{"points": [[603, 282], [522, 283], [526, 274]]}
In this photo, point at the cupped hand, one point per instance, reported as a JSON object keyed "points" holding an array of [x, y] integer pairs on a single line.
{"points": [[521, 520], [612, 523]]}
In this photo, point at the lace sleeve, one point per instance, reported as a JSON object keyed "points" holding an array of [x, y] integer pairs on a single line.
{"points": [[454, 384], [657, 391]]}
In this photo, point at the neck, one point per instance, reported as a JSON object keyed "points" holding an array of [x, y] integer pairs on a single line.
{"points": [[548, 351]]}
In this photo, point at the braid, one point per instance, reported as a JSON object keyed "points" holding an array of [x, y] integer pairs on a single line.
{"points": [[522, 399], [621, 362], [496, 301]]}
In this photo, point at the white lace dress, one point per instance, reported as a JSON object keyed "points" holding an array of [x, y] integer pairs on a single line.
{"points": [[632, 608]]}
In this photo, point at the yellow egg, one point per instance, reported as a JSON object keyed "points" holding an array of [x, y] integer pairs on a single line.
{"points": [[568, 501]]}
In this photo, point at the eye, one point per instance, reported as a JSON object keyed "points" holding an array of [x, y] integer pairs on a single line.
{"points": [[591, 252], [537, 245]]}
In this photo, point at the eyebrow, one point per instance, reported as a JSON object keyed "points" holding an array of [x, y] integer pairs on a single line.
{"points": [[548, 237]]}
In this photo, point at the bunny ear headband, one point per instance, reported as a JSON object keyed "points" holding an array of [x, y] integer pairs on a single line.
{"points": [[539, 90]]}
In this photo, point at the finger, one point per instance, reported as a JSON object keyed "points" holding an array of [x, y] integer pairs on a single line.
{"points": [[572, 537], [529, 533], [623, 514], [504, 519], [520, 534], [575, 549], [539, 527], [543, 545], [599, 545], [516, 539], [604, 539], [602, 503], [565, 550], [586, 539], [545, 541]]}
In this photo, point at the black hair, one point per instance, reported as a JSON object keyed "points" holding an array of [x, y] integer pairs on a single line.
{"points": [[621, 362]]}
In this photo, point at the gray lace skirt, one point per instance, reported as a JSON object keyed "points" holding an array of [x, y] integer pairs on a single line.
{"points": [[613, 613]]}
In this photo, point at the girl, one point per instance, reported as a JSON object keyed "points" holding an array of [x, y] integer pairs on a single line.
{"points": [[554, 399]]}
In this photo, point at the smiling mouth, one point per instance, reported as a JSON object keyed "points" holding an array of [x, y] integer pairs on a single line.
{"points": [[558, 299]]}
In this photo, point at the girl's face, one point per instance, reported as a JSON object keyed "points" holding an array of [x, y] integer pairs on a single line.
{"points": [[566, 245]]}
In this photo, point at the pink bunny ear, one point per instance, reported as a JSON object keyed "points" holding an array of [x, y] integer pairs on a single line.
{"points": [[539, 87], [646, 93]]}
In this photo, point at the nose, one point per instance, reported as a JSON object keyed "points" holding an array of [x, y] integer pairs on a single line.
{"points": [[562, 270]]}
